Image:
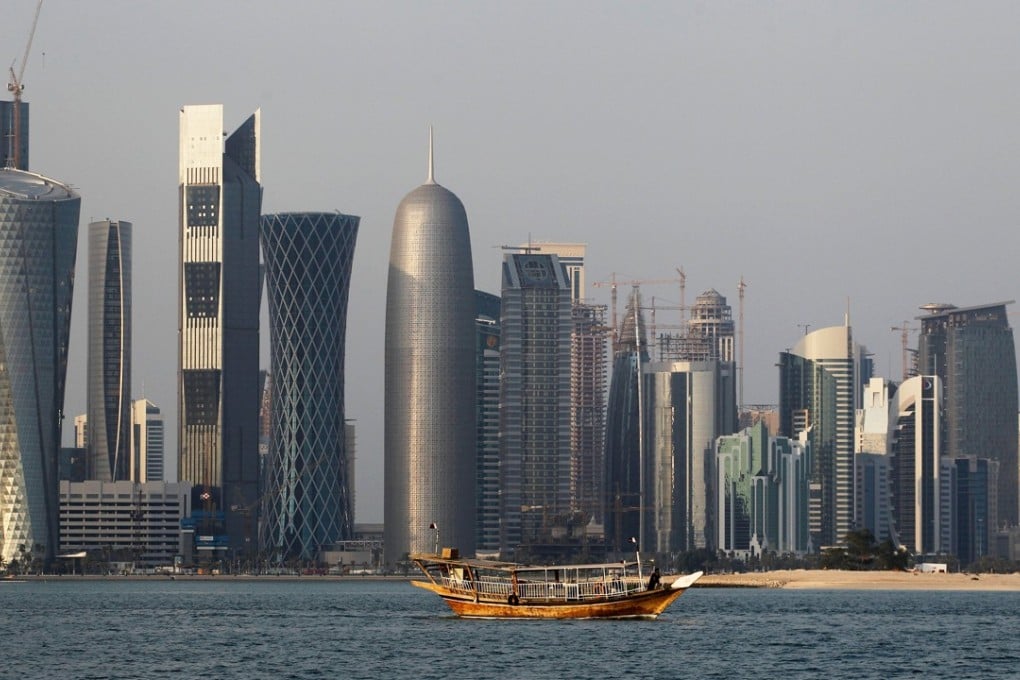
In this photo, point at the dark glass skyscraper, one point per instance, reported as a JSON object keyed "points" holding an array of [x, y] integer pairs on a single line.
{"points": [[220, 202], [38, 244], [430, 376], [971, 349], [109, 353], [308, 260]]}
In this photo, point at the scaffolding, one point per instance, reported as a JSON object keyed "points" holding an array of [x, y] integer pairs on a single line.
{"points": [[588, 386]]}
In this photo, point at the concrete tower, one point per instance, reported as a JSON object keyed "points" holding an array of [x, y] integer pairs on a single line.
{"points": [[430, 376], [38, 244], [109, 353]]}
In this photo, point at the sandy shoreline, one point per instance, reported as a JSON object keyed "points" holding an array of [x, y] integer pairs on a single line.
{"points": [[821, 579]]}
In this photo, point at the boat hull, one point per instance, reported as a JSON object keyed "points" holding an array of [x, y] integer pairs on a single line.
{"points": [[644, 605]]}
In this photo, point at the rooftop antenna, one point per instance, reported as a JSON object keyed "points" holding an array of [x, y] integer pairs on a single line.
{"points": [[432, 178], [16, 86]]}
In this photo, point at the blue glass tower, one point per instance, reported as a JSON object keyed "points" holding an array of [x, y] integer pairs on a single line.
{"points": [[308, 489], [38, 245]]}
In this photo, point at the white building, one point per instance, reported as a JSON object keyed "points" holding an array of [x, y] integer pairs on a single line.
{"points": [[124, 521], [148, 456]]}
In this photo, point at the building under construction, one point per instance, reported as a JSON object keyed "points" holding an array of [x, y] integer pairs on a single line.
{"points": [[588, 384]]}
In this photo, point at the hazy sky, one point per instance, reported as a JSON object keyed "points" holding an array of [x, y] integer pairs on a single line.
{"points": [[823, 150]]}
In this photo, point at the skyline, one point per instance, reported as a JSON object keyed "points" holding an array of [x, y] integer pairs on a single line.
{"points": [[823, 153]]}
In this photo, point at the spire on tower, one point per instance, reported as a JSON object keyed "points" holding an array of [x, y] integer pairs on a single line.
{"points": [[431, 178]]}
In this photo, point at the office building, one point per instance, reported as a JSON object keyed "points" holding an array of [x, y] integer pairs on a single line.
{"points": [[535, 403], [430, 379], [971, 350], [622, 493], [81, 432], [973, 485], [148, 457], [307, 499], [220, 202], [13, 133], [571, 257], [126, 522], [109, 351], [38, 245], [762, 501], [487, 405], [819, 389], [687, 405], [915, 450]]}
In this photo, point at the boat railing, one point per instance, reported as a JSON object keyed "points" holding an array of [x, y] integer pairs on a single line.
{"points": [[594, 589]]}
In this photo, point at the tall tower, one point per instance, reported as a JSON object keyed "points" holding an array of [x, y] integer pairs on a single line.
{"points": [[971, 350], [487, 405], [819, 392], [220, 202], [109, 353], [308, 274], [430, 429], [535, 401], [38, 244], [148, 462]]}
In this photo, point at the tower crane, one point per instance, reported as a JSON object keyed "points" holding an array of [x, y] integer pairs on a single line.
{"points": [[612, 283], [16, 86], [905, 330]]}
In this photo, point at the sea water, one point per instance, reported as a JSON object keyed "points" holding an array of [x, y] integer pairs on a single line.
{"points": [[313, 628]]}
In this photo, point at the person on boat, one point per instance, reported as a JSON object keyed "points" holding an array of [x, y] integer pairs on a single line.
{"points": [[653, 580]]}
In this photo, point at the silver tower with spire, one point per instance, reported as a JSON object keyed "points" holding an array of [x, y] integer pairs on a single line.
{"points": [[430, 376]]}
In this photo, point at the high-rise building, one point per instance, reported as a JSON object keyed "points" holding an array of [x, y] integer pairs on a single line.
{"points": [[588, 386], [308, 272], [971, 350], [915, 455], [430, 431], [972, 486], [687, 405], [535, 401], [7, 136], [220, 202], [38, 245], [762, 501], [148, 458], [81, 431], [109, 351], [819, 389], [487, 404], [622, 492], [571, 257]]}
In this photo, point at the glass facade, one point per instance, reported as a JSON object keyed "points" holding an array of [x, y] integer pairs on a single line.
{"points": [[7, 141], [535, 401], [430, 430], [487, 403], [38, 245], [972, 350], [109, 351], [220, 284], [307, 499]]}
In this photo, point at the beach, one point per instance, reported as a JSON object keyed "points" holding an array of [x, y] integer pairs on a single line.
{"points": [[832, 579]]}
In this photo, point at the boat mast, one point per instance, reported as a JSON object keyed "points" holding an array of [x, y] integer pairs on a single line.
{"points": [[640, 426]]}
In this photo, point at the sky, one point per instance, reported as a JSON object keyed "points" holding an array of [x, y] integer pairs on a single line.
{"points": [[841, 157]]}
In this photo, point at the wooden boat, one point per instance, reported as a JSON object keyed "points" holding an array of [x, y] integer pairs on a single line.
{"points": [[491, 589]]}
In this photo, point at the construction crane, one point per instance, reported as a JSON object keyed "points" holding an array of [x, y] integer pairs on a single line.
{"points": [[16, 85], [741, 287], [613, 283], [905, 330]]}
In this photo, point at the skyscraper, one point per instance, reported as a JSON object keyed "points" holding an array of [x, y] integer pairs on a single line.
{"points": [[971, 350], [7, 135], [109, 351], [148, 461], [487, 403], [308, 273], [38, 244], [220, 201], [430, 431], [535, 401], [819, 391]]}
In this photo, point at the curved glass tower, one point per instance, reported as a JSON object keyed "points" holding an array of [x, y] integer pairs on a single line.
{"points": [[430, 376], [38, 244], [308, 489], [109, 354]]}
